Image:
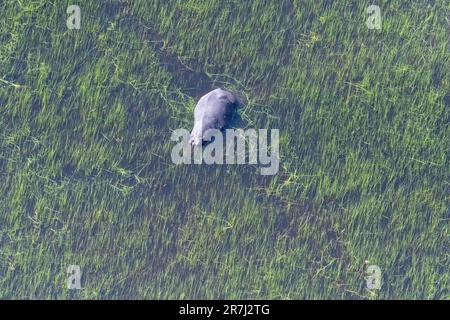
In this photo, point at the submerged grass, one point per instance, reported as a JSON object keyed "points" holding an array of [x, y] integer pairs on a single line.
{"points": [[86, 176]]}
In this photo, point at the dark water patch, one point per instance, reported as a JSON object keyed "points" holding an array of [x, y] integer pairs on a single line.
{"points": [[186, 74], [192, 82], [437, 75], [447, 101]]}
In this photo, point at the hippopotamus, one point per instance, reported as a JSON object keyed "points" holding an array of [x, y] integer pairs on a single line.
{"points": [[215, 110]]}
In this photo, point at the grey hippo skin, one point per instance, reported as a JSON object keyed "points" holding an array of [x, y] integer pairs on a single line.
{"points": [[213, 111]]}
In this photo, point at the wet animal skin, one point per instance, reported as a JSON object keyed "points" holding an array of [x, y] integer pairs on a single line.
{"points": [[214, 110]]}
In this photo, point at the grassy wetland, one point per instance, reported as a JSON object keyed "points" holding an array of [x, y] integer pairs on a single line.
{"points": [[87, 179]]}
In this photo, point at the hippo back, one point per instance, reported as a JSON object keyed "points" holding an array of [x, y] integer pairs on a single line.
{"points": [[213, 111]]}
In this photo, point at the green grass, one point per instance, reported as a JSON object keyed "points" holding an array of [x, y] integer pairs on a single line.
{"points": [[86, 175]]}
